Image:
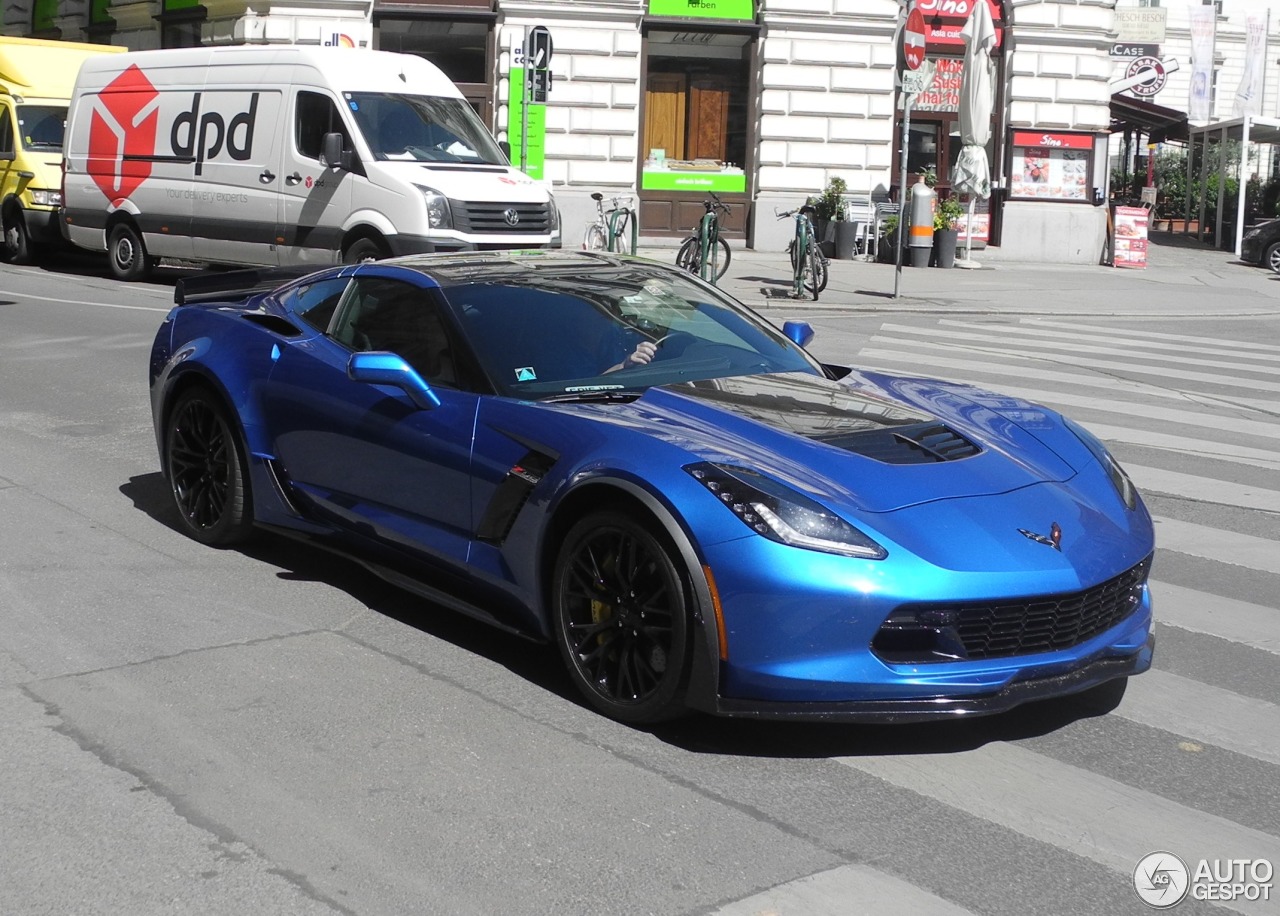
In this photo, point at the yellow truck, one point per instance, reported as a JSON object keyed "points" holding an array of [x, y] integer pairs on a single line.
{"points": [[36, 78]]}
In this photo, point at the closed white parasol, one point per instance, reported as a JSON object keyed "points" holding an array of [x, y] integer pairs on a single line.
{"points": [[972, 173]]}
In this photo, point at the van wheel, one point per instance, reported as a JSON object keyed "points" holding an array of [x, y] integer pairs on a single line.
{"points": [[15, 246], [363, 249], [128, 256]]}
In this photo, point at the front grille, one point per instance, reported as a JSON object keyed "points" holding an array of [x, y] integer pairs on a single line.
{"points": [[918, 443], [479, 217], [946, 632]]}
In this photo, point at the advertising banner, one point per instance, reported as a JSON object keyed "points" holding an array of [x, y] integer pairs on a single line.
{"points": [[1131, 237], [1249, 93], [1204, 24]]}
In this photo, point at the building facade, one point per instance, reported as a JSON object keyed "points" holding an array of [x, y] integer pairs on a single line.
{"points": [[761, 101]]}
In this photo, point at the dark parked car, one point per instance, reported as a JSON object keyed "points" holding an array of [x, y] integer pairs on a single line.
{"points": [[609, 455], [1261, 245]]}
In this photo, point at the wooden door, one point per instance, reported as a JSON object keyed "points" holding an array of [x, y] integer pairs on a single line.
{"points": [[708, 118], [664, 114]]}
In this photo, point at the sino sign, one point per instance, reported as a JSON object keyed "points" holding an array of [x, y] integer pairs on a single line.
{"points": [[913, 40]]}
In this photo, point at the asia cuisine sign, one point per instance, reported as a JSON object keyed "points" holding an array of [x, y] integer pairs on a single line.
{"points": [[943, 20], [943, 93]]}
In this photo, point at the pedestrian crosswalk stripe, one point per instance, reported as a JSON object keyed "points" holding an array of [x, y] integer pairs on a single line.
{"points": [[856, 890], [1204, 489], [1217, 544], [1204, 448], [1241, 345], [1073, 809], [1214, 615], [1210, 715]]}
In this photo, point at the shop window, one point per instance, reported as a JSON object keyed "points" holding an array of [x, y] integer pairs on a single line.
{"points": [[695, 111], [180, 23], [459, 47]]}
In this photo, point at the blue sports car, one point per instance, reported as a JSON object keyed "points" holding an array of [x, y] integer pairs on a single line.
{"points": [[610, 455]]}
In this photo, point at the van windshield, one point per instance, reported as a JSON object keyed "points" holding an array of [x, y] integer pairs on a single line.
{"points": [[41, 127], [421, 128]]}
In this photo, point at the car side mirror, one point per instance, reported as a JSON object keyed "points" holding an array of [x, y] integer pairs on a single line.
{"points": [[380, 367], [332, 153], [798, 332]]}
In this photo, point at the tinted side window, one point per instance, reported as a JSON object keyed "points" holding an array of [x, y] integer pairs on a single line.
{"points": [[316, 115], [315, 303], [6, 131], [383, 314]]}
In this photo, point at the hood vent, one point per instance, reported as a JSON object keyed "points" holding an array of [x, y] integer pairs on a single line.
{"points": [[917, 443]]}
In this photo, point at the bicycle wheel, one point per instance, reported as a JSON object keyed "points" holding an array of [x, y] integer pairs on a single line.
{"points": [[815, 274], [687, 256], [720, 257], [593, 239]]}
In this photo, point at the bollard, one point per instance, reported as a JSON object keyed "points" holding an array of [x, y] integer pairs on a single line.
{"points": [[920, 239]]}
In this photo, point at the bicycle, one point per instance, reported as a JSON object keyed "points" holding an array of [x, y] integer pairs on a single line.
{"points": [[615, 229], [808, 263], [706, 253]]}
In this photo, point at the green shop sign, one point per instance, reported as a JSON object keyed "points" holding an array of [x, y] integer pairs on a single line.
{"points": [[694, 181], [704, 9], [531, 147]]}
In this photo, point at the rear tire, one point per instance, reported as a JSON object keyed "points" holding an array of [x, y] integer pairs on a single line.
{"points": [[207, 471], [593, 240], [816, 277], [127, 254], [721, 257]]}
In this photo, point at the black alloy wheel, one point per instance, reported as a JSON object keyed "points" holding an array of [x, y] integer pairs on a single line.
{"points": [[622, 618], [207, 471], [362, 250], [1272, 257]]}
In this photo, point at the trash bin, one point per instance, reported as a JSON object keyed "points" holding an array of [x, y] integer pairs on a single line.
{"points": [[846, 239]]}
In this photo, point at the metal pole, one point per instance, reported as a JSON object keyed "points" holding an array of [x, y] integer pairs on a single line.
{"points": [[525, 96], [902, 192]]}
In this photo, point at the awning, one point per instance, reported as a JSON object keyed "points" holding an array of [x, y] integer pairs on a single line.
{"points": [[1158, 122]]}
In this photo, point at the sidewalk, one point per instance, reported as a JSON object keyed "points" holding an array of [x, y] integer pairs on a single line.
{"points": [[1183, 277]]}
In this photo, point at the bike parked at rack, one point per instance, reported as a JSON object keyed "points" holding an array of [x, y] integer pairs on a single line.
{"points": [[615, 229], [808, 263], [706, 253]]}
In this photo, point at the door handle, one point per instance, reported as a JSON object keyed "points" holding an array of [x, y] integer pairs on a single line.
{"points": [[292, 179], [267, 176]]}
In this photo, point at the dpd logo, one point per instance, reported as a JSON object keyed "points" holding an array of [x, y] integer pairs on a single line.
{"points": [[122, 134]]}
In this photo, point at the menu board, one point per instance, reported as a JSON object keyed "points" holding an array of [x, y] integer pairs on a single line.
{"points": [[1048, 166], [1131, 237]]}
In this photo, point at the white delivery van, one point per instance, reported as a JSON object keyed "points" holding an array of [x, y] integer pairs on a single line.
{"points": [[286, 155], [36, 77]]}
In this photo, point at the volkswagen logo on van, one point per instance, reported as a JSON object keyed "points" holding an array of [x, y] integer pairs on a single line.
{"points": [[511, 216], [122, 134]]}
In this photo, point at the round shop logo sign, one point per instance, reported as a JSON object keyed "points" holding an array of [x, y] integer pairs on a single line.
{"points": [[1161, 880]]}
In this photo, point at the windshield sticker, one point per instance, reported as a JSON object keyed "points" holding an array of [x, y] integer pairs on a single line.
{"points": [[526, 374], [577, 389]]}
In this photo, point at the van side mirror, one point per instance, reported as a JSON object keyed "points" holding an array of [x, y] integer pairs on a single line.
{"points": [[332, 153], [506, 149]]}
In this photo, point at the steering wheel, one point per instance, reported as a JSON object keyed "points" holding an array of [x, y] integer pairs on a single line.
{"points": [[674, 344]]}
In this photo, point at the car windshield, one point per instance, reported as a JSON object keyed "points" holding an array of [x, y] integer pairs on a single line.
{"points": [[568, 329], [420, 128], [41, 127]]}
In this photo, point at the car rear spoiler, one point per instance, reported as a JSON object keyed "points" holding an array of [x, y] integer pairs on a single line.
{"points": [[235, 285]]}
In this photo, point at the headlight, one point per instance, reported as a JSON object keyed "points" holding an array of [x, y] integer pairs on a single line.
{"points": [[1119, 479], [781, 514], [553, 215], [439, 216], [46, 198], [1252, 234]]}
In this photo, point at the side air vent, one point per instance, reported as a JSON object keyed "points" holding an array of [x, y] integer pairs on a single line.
{"points": [[919, 443]]}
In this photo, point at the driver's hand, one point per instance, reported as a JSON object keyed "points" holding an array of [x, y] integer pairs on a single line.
{"points": [[644, 353]]}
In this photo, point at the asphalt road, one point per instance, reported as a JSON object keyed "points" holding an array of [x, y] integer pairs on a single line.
{"points": [[268, 731]]}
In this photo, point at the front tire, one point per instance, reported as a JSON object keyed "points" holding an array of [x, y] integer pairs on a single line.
{"points": [[15, 242], [362, 250], [720, 257], [621, 618], [593, 239], [207, 471], [687, 256], [127, 254], [816, 278], [1272, 257]]}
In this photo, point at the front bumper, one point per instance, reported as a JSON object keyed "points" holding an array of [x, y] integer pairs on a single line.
{"points": [[1083, 677]]}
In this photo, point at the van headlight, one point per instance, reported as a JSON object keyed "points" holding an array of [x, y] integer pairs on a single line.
{"points": [[439, 216], [782, 514], [43, 197]]}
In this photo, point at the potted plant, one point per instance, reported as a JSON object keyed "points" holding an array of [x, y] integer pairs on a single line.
{"points": [[829, 209], [945, 234]]}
